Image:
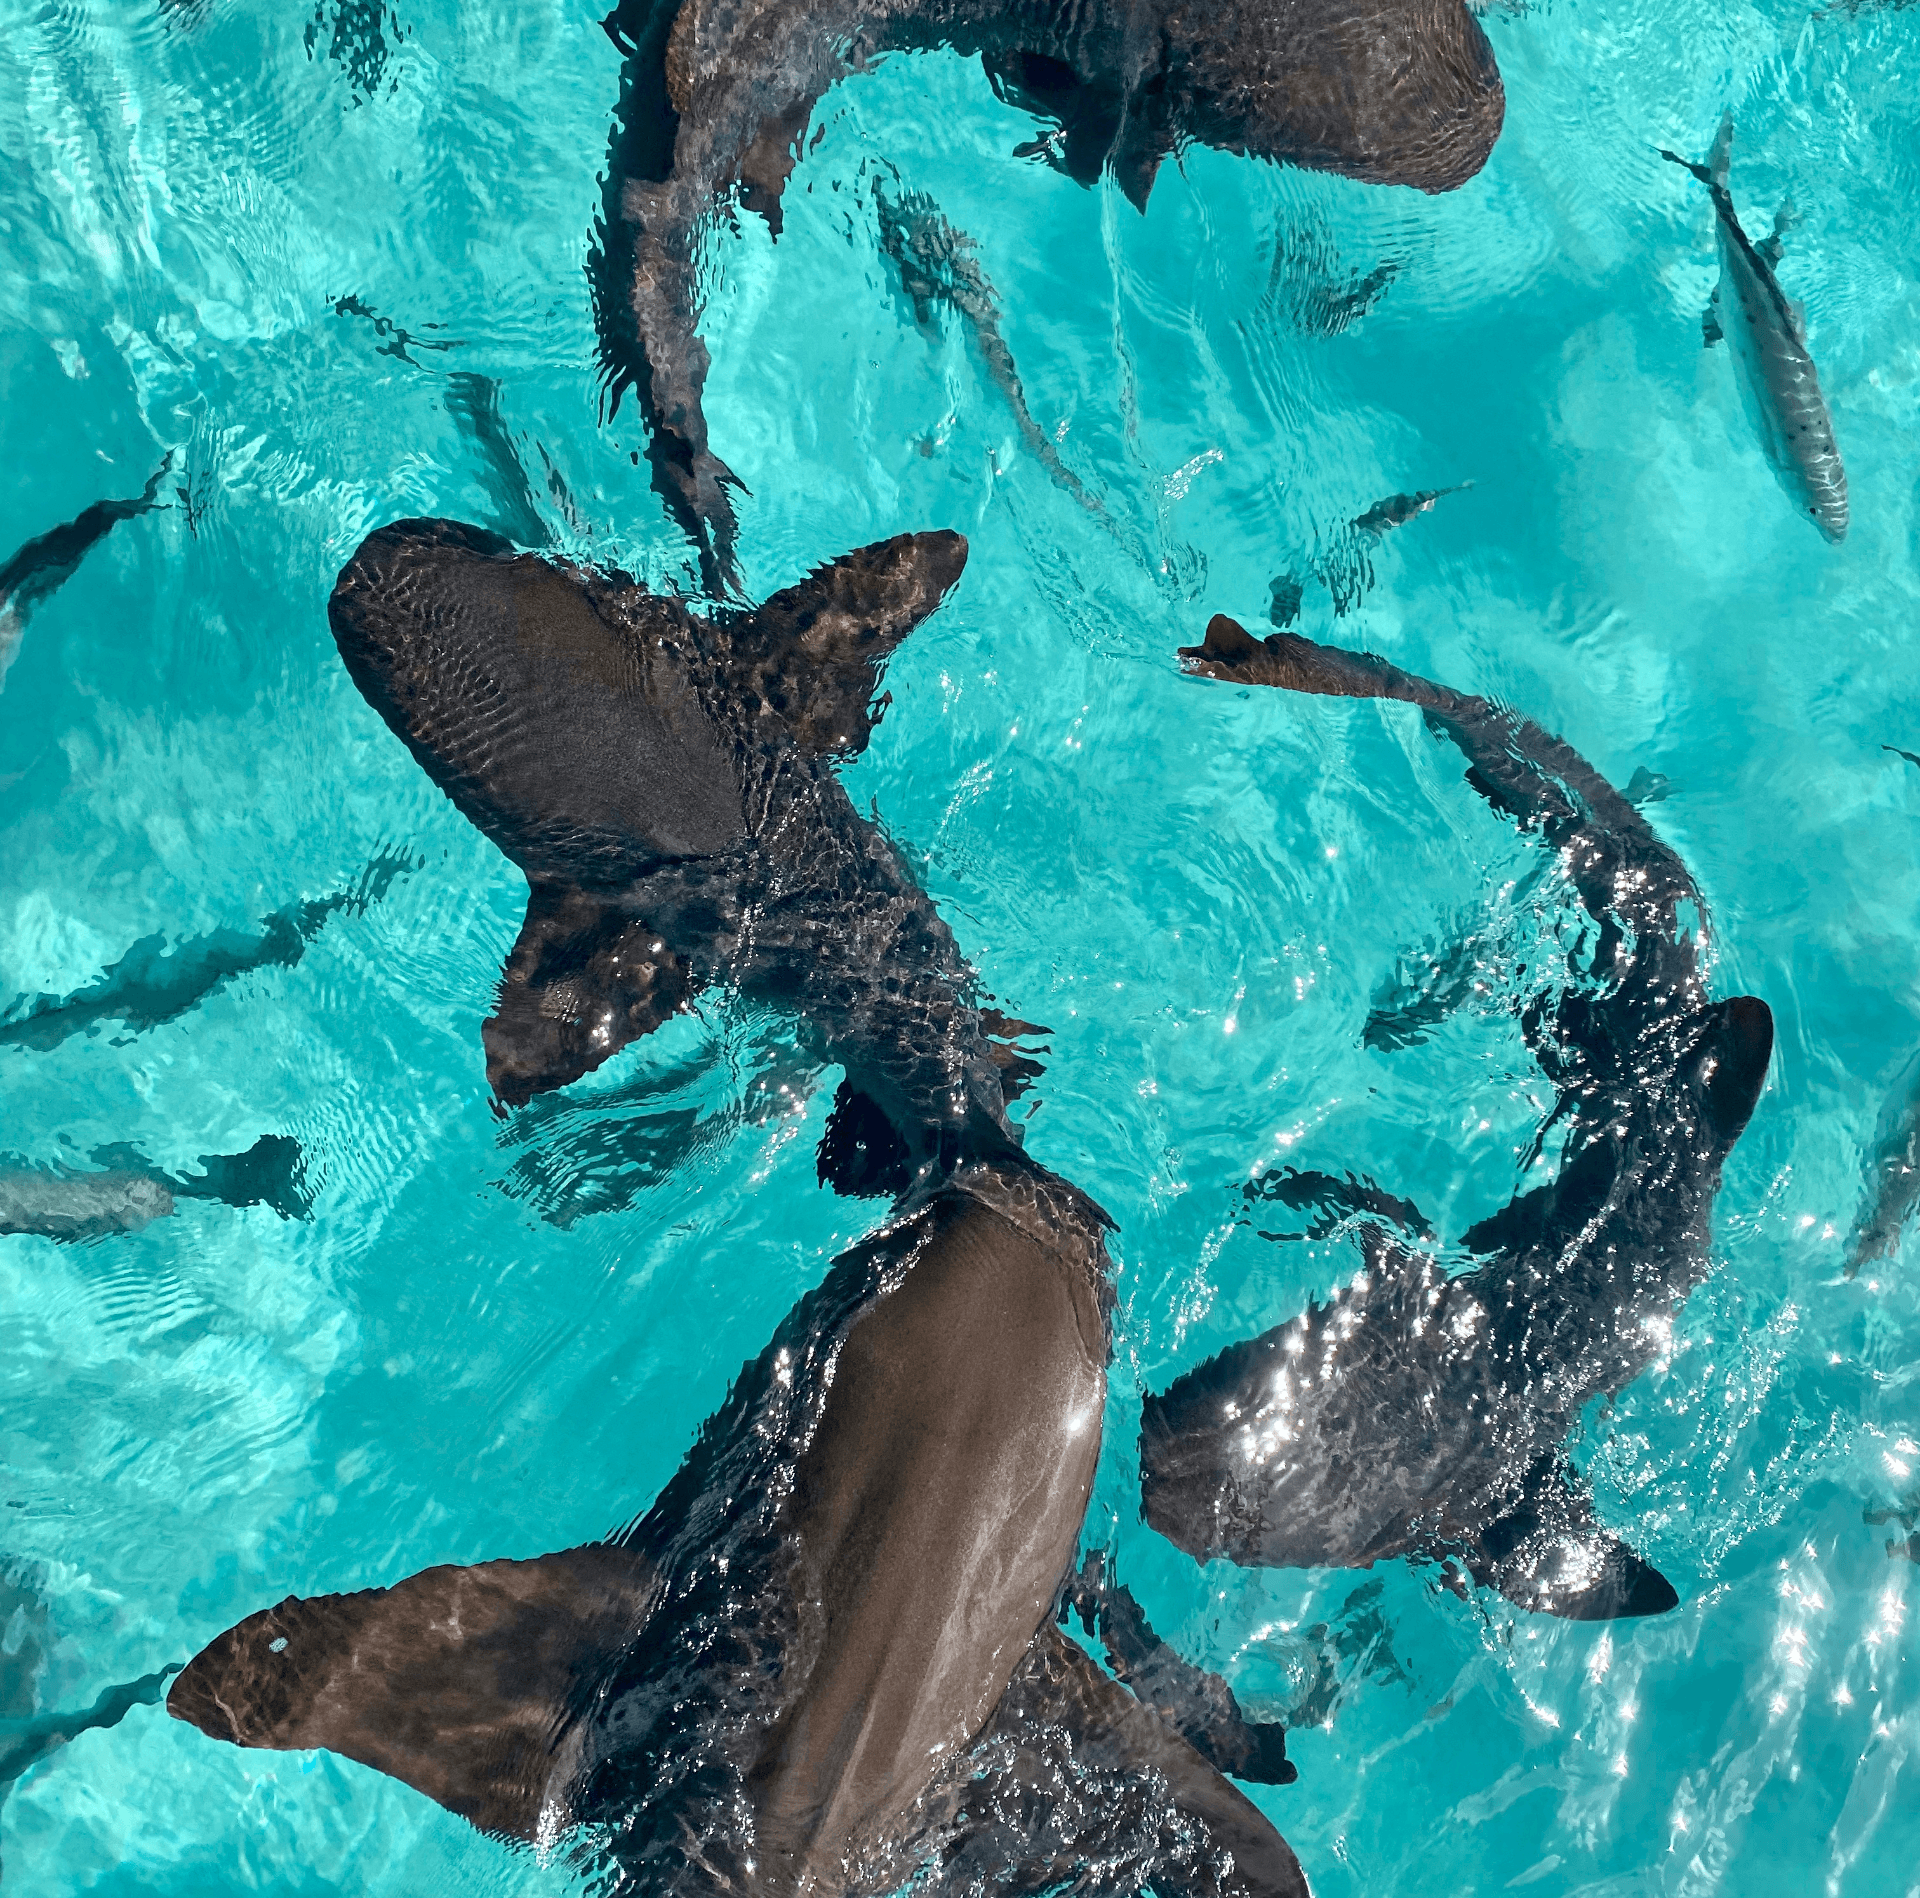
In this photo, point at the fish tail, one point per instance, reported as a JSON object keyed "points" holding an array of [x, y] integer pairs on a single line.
{"points": [[1720, 158]]}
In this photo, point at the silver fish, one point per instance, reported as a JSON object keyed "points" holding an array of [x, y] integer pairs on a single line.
{"points": [[1779, 386]]}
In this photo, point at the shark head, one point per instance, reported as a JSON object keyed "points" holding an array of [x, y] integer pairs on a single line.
{"points": [[1390, 92]]}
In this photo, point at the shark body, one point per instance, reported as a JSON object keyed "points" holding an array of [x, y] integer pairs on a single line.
{"points": [[1417, 1414], [47, 562]]}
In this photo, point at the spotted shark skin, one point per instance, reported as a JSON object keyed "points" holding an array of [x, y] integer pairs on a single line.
{"points": [[1779, 386], [715, 96], [1415, 1414]]}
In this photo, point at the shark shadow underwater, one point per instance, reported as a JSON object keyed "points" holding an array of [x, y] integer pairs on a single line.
{"points": [[715, 96], [825, 1658], [1420, 1415]]}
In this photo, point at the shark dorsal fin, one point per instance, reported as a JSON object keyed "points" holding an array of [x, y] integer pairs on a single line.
{"points": [[1737, 1037], [459, 1681], [814, 651]]}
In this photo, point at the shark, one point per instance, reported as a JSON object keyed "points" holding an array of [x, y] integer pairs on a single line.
{"points": [[715, 97], [130, 1192], [47, 562], [665, 780], [826, 1658], [1418, 1414], [1779, 386], [30, 1734]]}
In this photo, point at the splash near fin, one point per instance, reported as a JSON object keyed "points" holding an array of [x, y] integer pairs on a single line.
{"points": [[1081, 1773], [584, 978], [459, 1681], [1549, 1556], [814, 651]]}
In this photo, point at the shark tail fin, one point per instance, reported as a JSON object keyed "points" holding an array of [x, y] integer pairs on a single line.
{"points": [[817, 647], [460, 1681], [584, 978], [1549, 1556], [272, 1172]]}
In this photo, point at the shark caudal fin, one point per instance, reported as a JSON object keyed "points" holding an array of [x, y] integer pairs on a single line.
{"points": [[462, 1682], [813, 652], [1549, 1556], [272, 1172]]}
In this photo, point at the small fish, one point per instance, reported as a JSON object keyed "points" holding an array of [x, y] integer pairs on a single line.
{"points": [[53, 1203], [1893, 1172], [1398, 509], [940, 264], [50, 560], [1778, 382], [152, 984]]}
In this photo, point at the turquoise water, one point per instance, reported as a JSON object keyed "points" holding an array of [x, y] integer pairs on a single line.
{"points": [[497, 1337]]}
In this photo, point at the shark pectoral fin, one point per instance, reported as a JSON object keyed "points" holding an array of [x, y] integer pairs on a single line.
{"points": [[1083, 1773], [584, 978], [1736, 1043], [1710, 330], [1139, 146], [815, 649], [1549, 1556], [463, 1682]]}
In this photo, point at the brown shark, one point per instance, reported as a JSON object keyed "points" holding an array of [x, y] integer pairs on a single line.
{"points": [[715, 96], [665, 779], [825, 1659]]}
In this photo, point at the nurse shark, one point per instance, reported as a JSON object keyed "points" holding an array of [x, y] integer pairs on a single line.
{"points": [[665, 780], [1415, 1414], [715, 96], [826, 1656], [1779, 385]]}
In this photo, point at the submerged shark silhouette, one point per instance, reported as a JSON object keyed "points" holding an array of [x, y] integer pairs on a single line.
{"points": [[715, 96], [1415, 1414], [1779, 385], [47, 562]]}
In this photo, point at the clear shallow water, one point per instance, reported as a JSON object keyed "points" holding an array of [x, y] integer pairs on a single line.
{"points": [[495, 1338]]}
